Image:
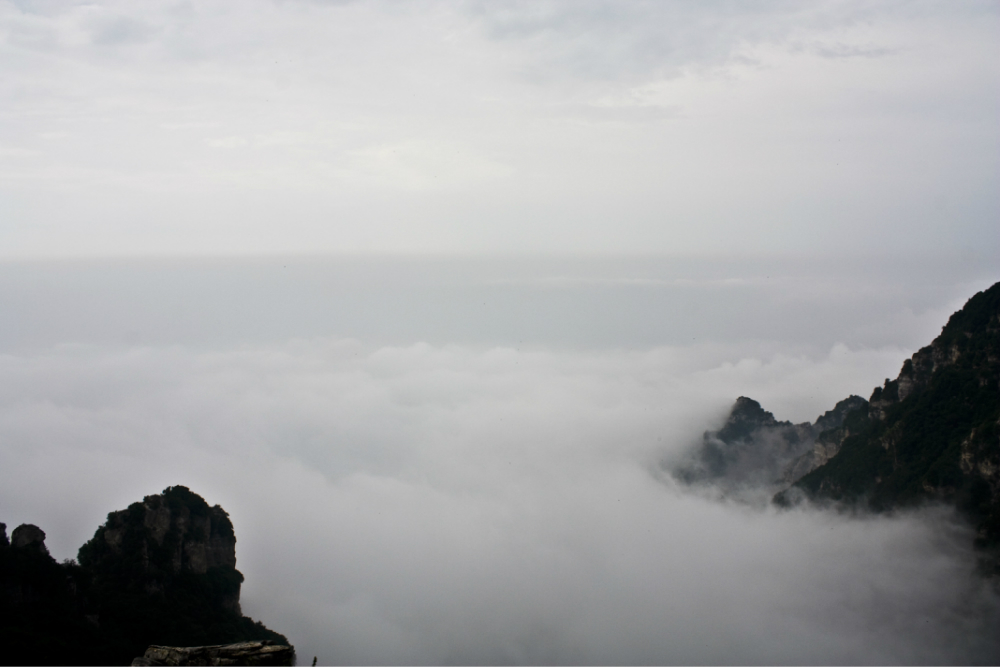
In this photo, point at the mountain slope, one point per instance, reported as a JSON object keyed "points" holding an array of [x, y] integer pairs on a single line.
{"points": [[932, 433], [754, 451]]}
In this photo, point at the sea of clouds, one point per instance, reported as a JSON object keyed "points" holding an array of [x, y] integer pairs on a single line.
{"points": [[494, 502]]}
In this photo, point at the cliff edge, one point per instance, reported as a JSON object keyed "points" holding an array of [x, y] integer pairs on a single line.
{"points": [[930, 435], [162, 571]]}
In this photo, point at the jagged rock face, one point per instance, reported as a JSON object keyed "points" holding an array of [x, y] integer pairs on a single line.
{"points": [[164, 536], [198, 539], [831, 429], [833, 419], [933, 432], [28, 536], [754, 452], [160, 572], [745, 420]]}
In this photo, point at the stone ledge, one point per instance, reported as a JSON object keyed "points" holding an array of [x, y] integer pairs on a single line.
{"points": [[242, 653]]}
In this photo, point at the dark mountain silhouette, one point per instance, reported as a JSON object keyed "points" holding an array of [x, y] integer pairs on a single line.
{"points": [[930, 435], [163, 571]]}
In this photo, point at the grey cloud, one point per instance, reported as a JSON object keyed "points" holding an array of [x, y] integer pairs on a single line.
{"points": [[452, 504], [122, 30], [758, 147], [850, 51], [609, 40], [486, 501], [622, 113]]}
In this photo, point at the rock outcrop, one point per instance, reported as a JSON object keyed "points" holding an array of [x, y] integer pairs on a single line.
{"points": [[161, 572], [831, 429], [930, 435], [242, 653], [753, 451], [165, 536], [28, 536]]}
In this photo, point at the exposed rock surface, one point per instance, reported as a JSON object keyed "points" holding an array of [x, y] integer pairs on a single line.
{"points": [[754, 451], [28, 536], [243, 653], [932, 434], [163, 571], [168, 535], [831, 430]]}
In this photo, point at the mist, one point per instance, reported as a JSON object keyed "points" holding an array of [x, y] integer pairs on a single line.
{"points": [[494, 499], [429, 296]]}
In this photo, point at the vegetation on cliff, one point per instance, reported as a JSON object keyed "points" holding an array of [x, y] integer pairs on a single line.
{"points": [[930, 435], [163, 571]]}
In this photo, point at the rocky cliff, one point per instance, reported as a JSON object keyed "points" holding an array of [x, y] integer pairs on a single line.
{"points": [[753, 451], [163, 571], [157, 544], [930, 435]]}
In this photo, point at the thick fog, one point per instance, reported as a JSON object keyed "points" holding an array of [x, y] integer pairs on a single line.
{"points": [[499, 499]]}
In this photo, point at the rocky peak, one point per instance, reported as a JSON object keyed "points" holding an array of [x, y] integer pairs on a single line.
{"points": [[930, 435], [161, 571], [152, 543], [753, 449], [746, 417], [28, 536], [836, 417], [177, 531]]}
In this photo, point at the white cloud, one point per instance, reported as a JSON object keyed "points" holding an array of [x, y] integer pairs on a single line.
{"points": [[228, 142], [434, 504], [420, 165], [589, 127]]}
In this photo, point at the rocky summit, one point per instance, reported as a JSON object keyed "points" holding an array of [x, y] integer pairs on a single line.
{"points": [[753, 454], [161, 542], [930, 435], [160, 572]]}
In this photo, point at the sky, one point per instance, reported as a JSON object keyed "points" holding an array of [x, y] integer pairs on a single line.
{"points": [[427, 295], [480, 127]]}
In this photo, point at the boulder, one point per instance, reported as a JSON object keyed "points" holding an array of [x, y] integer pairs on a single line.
{"points": [[28, 536], [243, 653]]}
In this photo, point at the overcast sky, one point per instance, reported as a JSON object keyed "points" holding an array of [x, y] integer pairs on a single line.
{"points": [[625, 127], [454, 458]]}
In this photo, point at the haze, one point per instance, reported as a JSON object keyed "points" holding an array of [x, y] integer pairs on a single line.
{"points": [[425, 295]]}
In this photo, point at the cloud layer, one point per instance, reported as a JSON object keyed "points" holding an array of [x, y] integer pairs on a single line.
{"points": [[462, 504], [521, 127]]}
